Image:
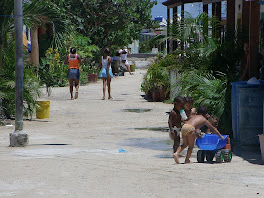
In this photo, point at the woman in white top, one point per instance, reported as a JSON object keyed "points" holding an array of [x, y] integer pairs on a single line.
{"points": [[106, 74], [123, 54]]}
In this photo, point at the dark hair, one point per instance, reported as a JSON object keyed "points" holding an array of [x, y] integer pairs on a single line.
{"points": [[117, 54], [188, 99], [178, 99], [107, 51], [73, 50], [213, 117], [202, 110]]}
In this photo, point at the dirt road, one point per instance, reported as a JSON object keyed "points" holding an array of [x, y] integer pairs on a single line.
{"points": [[94, 148]]}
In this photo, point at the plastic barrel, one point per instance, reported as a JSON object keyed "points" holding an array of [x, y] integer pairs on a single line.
{"points": [[132, 68], [43, 111], [250, 115], [235, 105]]}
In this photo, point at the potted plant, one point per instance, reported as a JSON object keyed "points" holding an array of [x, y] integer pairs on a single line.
{"points": [[92, 74]]}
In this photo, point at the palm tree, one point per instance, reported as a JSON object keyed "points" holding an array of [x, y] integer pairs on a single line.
{"points": [[34, 13], [6, 25], [192, 33]]}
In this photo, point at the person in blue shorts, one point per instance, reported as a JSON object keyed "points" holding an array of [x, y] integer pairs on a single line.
{"points": [[106, 73], [74, 61]]}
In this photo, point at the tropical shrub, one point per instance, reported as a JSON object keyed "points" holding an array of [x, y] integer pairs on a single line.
{"points": [[51, 71], [157, 78], [7, 86], [205, 89]]}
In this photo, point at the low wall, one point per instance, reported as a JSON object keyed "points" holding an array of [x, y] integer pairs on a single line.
{"points": [[141, 55]]}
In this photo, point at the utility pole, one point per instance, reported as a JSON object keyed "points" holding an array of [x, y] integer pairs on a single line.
{"points": [[19, 137]]}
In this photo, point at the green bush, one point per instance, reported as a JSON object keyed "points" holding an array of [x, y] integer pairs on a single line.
{"points": [[51, 71], [7, 85], [156, 78]]}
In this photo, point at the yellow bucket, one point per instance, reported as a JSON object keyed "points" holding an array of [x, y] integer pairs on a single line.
{"points": [[43, 111], [132, 68]]}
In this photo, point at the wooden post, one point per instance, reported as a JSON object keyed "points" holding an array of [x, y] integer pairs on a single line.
{"points": [[230, 18], [205, 25], [182, 21], [168, 30], [175, 22], [34, 46]]}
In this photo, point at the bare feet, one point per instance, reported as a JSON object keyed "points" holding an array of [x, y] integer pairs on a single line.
{"points": [[72, 98], [76, 95], [181, 155], [176, 158], [188, 162]]}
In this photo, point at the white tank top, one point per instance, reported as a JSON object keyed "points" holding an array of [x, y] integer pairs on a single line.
{"points": [[105, 62]]}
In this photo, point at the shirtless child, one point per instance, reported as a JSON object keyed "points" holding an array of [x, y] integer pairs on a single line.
{"points": [[175, 122], [189, 131]]}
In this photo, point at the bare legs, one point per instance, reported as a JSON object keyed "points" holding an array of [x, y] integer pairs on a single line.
{"points": [[76, 84], [128, 68], [177, 141], [107, 81], [187, 141]]}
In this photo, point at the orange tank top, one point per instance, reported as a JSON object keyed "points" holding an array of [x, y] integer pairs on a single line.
{"points": [[73, 62]]}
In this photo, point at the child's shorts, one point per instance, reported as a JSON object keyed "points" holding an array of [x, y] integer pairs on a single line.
{"points": [[187, 129], [73, 74]]}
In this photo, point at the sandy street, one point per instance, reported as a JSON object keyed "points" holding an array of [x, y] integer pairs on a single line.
{"points": [[93, 148]]}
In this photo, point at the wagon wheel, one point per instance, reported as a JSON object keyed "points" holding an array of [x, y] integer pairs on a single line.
{"points": [[200, 156], [209, 156], [227, 154], [219, 157]]}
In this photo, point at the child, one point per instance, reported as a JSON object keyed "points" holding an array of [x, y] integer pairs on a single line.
{"points": [[189, 130], [74, 62], [189, 110], [116, 63], [175, 122], [106, 73], [214, 122]]}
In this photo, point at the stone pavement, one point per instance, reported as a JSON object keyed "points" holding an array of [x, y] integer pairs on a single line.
{"points": [[100, 148]]}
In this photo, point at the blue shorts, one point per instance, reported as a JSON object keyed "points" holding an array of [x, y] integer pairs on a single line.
{"points": [[73, 74], [104, 75]]}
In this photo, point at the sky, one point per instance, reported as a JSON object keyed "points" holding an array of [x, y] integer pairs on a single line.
{"points": [[194, 9], [161, 10]]}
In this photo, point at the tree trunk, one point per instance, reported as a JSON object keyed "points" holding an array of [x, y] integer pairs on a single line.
{"points": [[34, 46]]}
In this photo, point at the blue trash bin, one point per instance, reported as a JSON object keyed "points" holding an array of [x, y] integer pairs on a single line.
{"points": [[235, 105], [250, 114]]}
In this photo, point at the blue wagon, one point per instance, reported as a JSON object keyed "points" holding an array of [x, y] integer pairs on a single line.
{"points": [[211, 146]]}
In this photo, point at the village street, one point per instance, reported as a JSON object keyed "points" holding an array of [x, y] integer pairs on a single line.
{"points": [[96, 148]]}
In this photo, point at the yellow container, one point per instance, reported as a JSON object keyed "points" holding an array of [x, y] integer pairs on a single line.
{"points": [[43, 109], [132, 68]]}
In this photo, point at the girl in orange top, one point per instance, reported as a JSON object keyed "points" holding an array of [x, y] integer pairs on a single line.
{"points": [[74, 61]]}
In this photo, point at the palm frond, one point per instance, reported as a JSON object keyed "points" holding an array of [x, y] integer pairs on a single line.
{"points": [[204, 89]]}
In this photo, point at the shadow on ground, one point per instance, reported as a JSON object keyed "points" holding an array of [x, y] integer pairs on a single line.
{"points": [[250, 153], [148, 143]]}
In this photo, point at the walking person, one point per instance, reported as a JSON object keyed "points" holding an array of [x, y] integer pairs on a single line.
{"points": [[74, 61], [124, 63], [106, 74]]}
